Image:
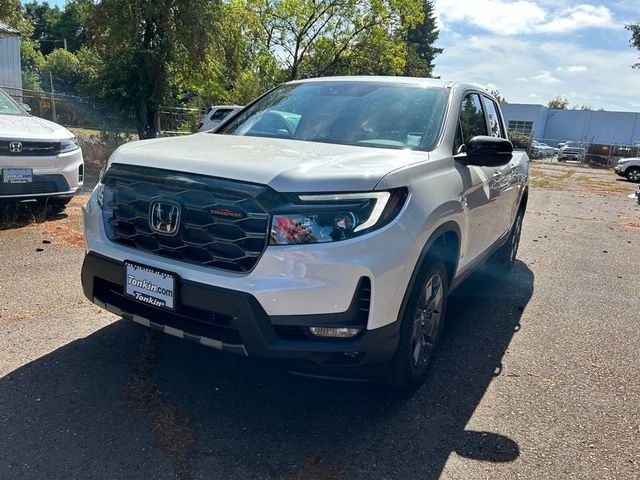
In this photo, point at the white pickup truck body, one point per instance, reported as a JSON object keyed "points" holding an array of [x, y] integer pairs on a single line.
{"points": [[328, 242]]}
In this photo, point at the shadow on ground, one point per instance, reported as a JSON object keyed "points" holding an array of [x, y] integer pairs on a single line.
{"points": [[20, 214], [70, 414]]}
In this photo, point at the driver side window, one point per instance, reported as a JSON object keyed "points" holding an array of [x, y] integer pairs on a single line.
{"points": [[472, 119]]}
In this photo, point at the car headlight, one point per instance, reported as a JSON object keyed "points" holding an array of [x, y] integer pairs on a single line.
{"points": [[334, 217], [622, 161], [69, 145]]}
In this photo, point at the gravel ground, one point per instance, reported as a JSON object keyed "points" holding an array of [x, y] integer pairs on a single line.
{"points": [[537, 376]]}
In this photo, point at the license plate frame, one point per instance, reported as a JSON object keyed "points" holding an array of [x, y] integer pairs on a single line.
{"points": [[17, 176], [140, 281]]}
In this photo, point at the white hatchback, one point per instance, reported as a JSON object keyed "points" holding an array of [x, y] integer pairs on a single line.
{"points": [[39, 159]]}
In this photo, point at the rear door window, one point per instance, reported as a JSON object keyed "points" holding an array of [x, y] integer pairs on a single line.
{"points": [[472, 119], [495, 125]]}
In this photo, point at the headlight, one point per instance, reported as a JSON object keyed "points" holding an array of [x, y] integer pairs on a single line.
{"points": [[334, 217], [69, 145], [622, 161]]}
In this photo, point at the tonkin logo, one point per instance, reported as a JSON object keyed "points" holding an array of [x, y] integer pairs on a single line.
{"points": [[15, 147], [164, 217]]}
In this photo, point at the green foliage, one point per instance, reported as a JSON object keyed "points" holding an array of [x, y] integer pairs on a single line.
{"points": [[65, 69], [52, 26], [321, 37], [140, 43], [498, 96], [634, 28], [421, 39], [558, 103], [519, 140]]}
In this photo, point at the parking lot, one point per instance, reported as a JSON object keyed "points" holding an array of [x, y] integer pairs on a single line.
{"points": [[537, 376]]}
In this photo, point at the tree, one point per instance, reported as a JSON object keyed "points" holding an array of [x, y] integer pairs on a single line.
{"points": [[634, 28], [421, 39], [559, 103], [498, 96], [330, 30], [141, 43], [65, 69]]}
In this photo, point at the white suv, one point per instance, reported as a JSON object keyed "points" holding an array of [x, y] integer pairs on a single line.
{"points": [[629, 168], [38, 159], [325, 225]]}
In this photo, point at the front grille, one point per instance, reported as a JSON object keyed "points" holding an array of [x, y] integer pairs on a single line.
{"points": [[224, 224], [30, 149], [39, 184]]}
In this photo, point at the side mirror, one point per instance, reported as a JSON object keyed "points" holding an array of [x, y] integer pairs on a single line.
{"points": [[26, 107], [486, 152]]}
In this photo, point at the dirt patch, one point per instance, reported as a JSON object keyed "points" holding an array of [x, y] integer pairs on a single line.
{"points": [[577, 179]]}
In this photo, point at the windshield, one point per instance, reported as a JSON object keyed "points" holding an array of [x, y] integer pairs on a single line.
{"points": [[368, 114], [8, 106]]}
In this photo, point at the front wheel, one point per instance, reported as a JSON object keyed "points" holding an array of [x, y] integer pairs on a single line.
{"points": [[501, 262], [633, 174], [421, 326]]}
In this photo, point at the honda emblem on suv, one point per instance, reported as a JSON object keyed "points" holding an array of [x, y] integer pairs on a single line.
{"points": [[15, 147], [164, 217]]}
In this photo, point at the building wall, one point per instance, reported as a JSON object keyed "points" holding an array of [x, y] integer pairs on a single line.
{"points": [[552, 126], [10, 69], [527, 113]]}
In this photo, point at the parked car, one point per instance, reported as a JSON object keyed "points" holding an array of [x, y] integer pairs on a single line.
{"points": [[325, 225], [215, 116], [629, 168], [571, 151], [541, 150], [38, 158]]}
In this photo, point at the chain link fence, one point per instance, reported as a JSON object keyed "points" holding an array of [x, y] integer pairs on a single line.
{"points": [[99, 133], [583, 152]]}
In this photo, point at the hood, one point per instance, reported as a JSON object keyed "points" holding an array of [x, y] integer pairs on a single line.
{"points": [[17, 127], [284, 165]]}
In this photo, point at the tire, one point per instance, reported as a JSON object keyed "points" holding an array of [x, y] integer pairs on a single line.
{"points": [[421, 326], [633, 174], [501, 262]]}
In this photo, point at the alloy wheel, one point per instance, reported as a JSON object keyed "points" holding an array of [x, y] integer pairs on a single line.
{"points": [[427, 320]]}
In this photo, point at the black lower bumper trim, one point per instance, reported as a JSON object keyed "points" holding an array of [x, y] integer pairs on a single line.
{"points": [[235, 321]]}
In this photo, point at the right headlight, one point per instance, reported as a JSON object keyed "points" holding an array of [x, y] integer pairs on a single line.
{"points": [[333, 217]]}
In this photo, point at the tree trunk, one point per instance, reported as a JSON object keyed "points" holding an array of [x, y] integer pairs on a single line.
{"points": [[148, 121]]}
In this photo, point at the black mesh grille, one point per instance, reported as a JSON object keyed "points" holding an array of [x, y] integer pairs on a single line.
{"points": [[30, 149], [223, 224], [39, 184]]}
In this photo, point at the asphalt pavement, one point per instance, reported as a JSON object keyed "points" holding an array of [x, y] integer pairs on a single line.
{"points": [[537, 377]]}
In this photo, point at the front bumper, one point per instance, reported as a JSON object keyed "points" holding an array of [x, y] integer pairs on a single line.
{"points": [[59, 175], [618, 170], [235, 321]]}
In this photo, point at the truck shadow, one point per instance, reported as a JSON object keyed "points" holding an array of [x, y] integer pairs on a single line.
{"points": [[205, 414]]}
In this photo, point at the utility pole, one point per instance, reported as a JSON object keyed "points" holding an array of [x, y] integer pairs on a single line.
{"points": [[54, 116]]}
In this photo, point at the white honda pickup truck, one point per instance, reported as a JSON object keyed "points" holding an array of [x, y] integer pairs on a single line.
{"points": [[324, 225]]}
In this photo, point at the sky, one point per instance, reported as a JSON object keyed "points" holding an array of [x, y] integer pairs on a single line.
{"points": [[534, 50]]}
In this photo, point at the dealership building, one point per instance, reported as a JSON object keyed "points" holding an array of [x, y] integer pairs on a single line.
{"points": [[549, 125]]}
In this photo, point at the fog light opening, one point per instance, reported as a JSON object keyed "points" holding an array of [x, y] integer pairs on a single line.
{"points": [[335, 332]]}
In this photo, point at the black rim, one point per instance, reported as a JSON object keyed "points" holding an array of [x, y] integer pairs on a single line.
{"points": [[427, 320]]}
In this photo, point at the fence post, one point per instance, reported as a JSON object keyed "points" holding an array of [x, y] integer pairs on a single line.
{"points": [[54, 116]]}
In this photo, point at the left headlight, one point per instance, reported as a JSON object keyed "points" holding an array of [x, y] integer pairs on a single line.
{"points": [[334, 217], [69, 145]]}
